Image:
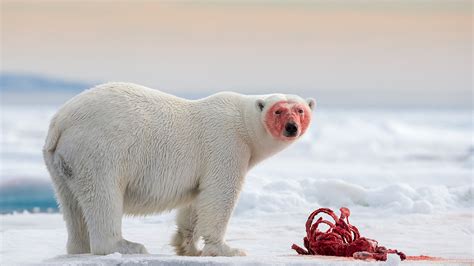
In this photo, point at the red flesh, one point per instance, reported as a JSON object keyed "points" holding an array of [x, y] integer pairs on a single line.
{"points": [[423, 257], [341, 239]]}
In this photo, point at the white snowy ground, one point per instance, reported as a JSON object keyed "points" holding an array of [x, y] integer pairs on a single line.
{"points": [[405, 175]]}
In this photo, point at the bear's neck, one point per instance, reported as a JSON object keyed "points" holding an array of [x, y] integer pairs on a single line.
{"points": [[261, 144]]}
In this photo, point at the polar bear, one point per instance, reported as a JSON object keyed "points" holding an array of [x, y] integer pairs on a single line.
{"points": [[121, 148]]}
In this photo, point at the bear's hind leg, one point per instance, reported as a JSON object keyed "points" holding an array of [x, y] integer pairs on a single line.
{"points": [[103, 209], [78, 236], [185, 239]]}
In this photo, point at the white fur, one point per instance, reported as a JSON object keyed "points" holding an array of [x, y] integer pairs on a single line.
{"points": [[121, 148]]}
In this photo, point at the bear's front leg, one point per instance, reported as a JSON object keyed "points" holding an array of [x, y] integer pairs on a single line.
{"points": [[218, 195]]}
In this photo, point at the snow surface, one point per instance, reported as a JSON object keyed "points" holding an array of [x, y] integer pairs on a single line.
{"points": [[406, 175]]}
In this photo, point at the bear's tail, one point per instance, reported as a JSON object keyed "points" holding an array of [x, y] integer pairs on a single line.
{"points": [[49, 148], [52, 139]]}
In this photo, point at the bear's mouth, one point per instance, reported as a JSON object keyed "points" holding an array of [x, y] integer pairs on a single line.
{"points": [[290, 136], [285, 136]]}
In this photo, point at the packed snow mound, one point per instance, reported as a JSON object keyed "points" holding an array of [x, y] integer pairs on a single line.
{"points": [[267, 195]]}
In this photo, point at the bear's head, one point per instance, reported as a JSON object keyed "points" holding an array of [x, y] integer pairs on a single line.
{"points": [[285, 117]]}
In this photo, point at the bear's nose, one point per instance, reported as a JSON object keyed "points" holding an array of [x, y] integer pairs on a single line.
{"points": [[291, 129]]}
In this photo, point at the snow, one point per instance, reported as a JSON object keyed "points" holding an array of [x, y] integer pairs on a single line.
{"points": [[406, 175], [30, 238]]}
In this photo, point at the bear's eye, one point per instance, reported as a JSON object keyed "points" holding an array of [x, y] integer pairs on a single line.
{"points": [[278, 112], [300, 111]]}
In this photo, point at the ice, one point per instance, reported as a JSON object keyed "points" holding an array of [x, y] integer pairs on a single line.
{"points": [[406, 175]]}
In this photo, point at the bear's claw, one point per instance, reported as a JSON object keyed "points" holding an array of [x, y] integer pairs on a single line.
{"points": [[128, 247], [221, 250]]}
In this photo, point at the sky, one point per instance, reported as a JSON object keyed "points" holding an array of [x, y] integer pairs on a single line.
{"points": [[369, 53]]}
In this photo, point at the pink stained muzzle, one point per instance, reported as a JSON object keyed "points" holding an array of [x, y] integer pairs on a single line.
{"points": [[287, 120]]}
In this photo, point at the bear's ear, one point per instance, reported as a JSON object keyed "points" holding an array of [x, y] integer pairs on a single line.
{"points": [[311, 103], [260, 104]]}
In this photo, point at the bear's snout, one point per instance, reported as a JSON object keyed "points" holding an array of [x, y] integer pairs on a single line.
{"points": [[291, 129]]}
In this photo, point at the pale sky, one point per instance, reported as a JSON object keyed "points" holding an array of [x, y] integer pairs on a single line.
{"points": [[364, 53]]}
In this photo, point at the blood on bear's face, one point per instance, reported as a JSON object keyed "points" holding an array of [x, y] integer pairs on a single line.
{"points": [[287, 120]]}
